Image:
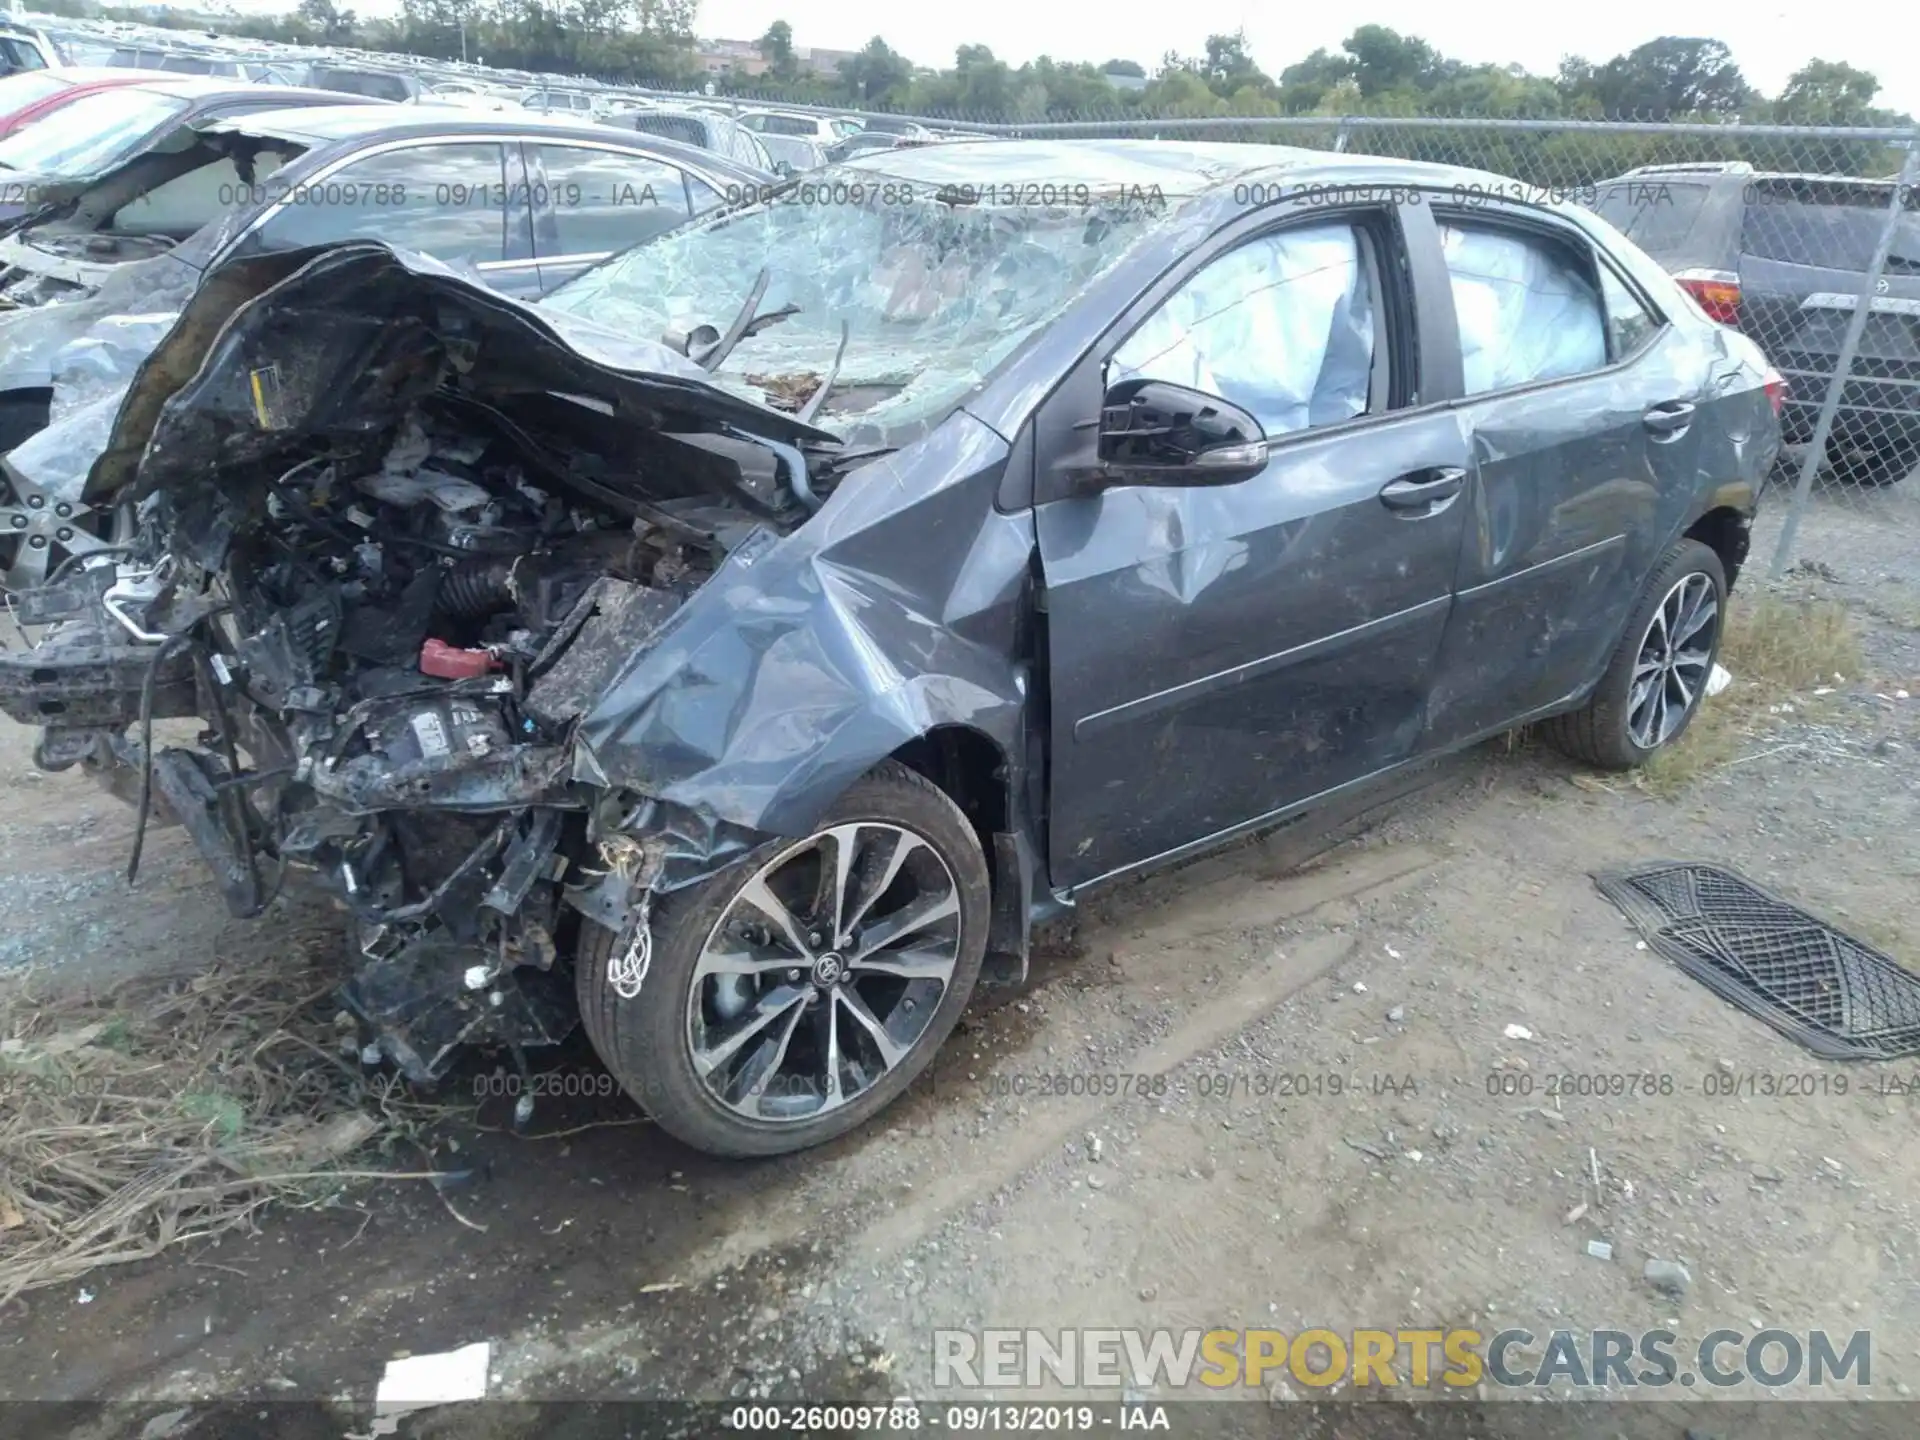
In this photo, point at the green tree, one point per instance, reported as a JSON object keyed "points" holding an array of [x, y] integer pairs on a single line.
{"points": [[327, 22], [1307, 84], [1385, 60], [776, 48], [1228, 67], [1829, 92], [876, 75], [1667, 78]]}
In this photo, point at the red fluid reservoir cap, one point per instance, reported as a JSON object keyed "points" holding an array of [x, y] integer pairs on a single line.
{"points": [[449, 662]]}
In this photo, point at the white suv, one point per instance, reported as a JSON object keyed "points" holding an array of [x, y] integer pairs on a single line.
{"points": [[823, 129], [24, 48]]}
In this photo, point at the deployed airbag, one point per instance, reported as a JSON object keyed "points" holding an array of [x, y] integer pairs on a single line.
{"points": [[1525, 312], [1282, 325]]}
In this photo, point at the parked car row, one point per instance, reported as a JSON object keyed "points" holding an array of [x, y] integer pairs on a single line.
{"points": [[651, 598], [144, 184]]}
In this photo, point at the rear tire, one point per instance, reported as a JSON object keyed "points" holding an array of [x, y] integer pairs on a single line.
{"points": [[701, 946], [1626, 720], [1886, 464]]}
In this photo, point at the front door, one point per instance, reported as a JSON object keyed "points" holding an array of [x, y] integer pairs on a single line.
{"points": [[1219, 654]]}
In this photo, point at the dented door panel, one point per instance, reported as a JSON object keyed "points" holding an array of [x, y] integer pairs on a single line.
{"points": [[1219, 654]]}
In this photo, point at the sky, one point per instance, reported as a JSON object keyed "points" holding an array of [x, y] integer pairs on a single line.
{"points": [[1769, 39]]}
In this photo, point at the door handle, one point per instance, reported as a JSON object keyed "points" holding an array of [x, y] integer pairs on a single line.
{"points": [[1423, 492], [1668, 419]]}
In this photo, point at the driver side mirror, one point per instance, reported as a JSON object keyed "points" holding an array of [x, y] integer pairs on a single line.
{"points": [[1153, 432], [783, 168]]}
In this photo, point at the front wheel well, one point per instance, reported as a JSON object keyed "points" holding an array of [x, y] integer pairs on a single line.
{"points": [[1727, 533], [970, 769]]}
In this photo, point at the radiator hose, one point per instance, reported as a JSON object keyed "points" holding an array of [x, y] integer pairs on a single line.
{"points": [[476, 588]]}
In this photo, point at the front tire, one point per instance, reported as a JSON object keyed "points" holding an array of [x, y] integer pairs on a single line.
{"points": [[798, 992], [1652, 687]]}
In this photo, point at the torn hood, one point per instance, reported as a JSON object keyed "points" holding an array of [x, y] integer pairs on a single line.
{"points": [[26, 195], [257, 356]]}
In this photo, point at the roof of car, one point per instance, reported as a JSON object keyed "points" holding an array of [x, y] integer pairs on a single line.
{"points": [[200, 89], [97, 74], [1740, 179], [1174, 167], [692, 112], [331, 124]]}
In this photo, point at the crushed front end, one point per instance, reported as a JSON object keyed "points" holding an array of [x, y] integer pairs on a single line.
{"points": [[388, 598]]}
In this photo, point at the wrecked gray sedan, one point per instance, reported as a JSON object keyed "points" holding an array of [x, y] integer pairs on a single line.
{"points": [[741, 649]]}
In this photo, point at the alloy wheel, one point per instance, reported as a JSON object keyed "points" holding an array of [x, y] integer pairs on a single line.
{"points": [[824, 972], [37, 530], [1675, 659]]}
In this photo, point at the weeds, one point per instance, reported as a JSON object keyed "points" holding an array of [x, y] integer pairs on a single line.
{"points": [[1778, 651], [174, 1110]]}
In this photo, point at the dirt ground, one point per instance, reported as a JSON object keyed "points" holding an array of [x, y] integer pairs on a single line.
{"points": [[1328, 1146]]}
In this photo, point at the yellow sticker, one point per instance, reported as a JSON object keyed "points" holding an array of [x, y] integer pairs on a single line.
{"points": [[266, 397]]}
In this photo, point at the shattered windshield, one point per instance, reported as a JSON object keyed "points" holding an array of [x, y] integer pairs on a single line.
{"points": [[935, 288]]}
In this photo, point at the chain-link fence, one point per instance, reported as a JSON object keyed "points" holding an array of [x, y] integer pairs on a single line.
{"points": [[1806, 238]]}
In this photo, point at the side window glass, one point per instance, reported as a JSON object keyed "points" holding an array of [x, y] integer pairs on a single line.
{"points": [[1526, 308], [604, 200], [446, 200], [1629, 323], [1286, 326], [705, 197]]}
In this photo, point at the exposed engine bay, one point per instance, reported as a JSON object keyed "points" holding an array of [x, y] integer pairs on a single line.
{"points": [[390, 632]]}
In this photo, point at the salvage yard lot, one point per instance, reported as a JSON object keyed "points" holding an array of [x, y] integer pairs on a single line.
{"points": [[1336, 1126]]}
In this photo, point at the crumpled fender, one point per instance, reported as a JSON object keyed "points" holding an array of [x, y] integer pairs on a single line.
{"points": [[807, 660]]}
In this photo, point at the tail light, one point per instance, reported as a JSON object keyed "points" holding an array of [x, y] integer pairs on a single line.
{"points": [[1776, 388], [1717, 292]]}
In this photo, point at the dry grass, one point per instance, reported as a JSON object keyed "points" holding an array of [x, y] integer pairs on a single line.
{"points": [[1896, 609], [1779, 650], [170, 1111]]}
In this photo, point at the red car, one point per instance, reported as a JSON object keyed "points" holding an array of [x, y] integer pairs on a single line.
{"points": [[30, 94]]}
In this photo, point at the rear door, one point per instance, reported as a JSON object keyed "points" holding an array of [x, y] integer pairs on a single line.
{"points": [[1805, 248], [592, 201], [1220, 655], [1580, 406], [458, 201]]}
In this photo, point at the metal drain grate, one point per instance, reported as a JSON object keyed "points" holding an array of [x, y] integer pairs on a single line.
{"points": [[1839, 998]]}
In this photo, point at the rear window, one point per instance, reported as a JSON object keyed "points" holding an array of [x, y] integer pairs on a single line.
{"points": [[683, 128], [788, 125], [363, 82], [18, 55], [1657, 215], [1833, 226]]}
